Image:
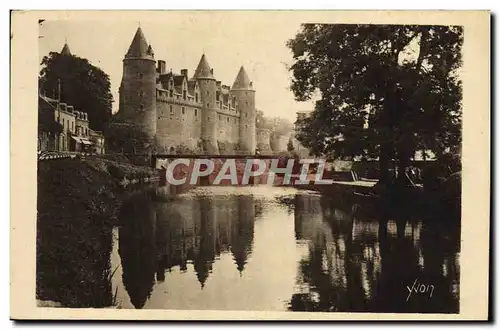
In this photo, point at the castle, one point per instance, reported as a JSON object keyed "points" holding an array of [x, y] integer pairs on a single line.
{"points": [[199, 113]]}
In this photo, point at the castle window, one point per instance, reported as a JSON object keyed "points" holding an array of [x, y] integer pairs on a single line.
{"points": [[196, 97], [208, 105], [196, 112], [171, 92], [171, 109], [217, 96], [246, 114], [208, 118], [246, 126], [183, 111], [141, 93], [141, 107], [184, 95], [208, 93], [140, 75], [246, 102]]}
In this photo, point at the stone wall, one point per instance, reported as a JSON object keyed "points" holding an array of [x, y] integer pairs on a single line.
{"points": [[178, 124]]}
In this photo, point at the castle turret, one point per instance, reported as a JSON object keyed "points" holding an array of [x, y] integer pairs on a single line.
{"points": [[245, 96], [138, 88], [208, 86], [65, 51]]}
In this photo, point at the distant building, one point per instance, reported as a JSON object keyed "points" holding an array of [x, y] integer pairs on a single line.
{"points": [[72, 134], [97, 140]]}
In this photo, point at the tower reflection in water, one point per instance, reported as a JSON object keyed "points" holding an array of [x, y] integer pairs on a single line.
{"points": [[156, 237], [199, 251]]}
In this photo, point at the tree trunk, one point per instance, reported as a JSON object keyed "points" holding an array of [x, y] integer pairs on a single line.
{"points": [[384, 164]]}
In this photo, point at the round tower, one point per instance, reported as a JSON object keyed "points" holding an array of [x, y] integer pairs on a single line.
{"points": [[138, 87], [245, 95], [208, 86]]}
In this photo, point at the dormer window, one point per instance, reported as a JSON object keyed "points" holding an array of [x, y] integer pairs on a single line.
{"points": [[183, 111], [196, 97], [184, 95]]}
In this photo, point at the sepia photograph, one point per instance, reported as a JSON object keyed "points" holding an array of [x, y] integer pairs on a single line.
{"points": [[253, 162]]}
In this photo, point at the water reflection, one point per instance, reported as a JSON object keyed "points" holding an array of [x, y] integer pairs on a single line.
{"points": [[278, 249]]}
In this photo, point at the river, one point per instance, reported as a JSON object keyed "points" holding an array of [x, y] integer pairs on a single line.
{"points": [[266, 248]]}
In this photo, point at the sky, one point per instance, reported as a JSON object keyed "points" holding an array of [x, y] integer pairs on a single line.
{"points": [[228, 39]]}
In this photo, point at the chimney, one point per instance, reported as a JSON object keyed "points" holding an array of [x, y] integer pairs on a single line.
{"points": [[184, 72], [161, 66]]}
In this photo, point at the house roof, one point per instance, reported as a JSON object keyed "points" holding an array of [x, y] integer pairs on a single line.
{"points": [[191, 86]]}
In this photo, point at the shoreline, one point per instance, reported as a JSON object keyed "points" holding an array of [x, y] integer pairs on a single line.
{"points": [[77, 206]]}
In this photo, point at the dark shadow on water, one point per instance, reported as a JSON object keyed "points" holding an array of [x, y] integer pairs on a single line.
{"points": [[367, 258]]}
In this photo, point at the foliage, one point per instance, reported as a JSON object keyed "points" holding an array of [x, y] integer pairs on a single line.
{"points": [[277, 126], [82, 85], [385, 90], [124, 137], [290, 146]]}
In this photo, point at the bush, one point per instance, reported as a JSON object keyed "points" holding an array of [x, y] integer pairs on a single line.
{"points": [[115, 171]]}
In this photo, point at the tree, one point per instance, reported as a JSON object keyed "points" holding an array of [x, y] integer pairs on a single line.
{"points": [[125, 137], [82, 85], [290, 146], [385, 91]]}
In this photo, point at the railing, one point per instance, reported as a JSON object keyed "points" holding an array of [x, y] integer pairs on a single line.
{"points": [[54, 155]]}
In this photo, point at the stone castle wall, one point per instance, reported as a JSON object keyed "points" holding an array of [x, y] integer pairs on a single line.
{"points": [[180, 122]]}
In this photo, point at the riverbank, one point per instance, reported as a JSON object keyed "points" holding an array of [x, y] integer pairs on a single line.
{"points": [[77, 204]]}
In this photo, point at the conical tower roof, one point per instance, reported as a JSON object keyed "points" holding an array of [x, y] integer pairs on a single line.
{"points": [[139, 48], [65, 50], [242, 81], [203, 70]]}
